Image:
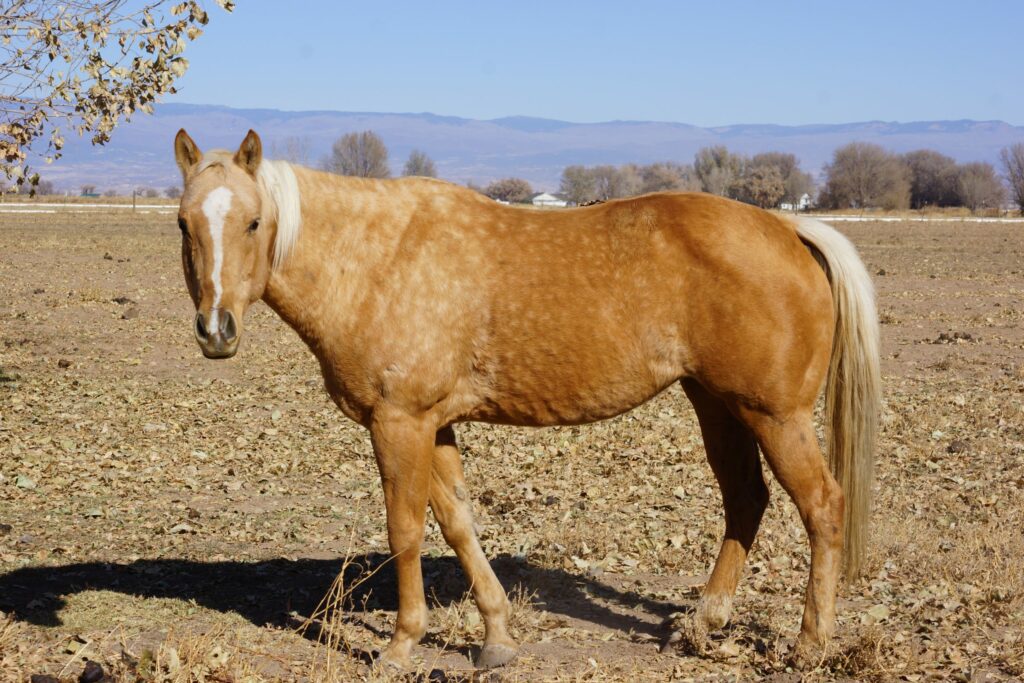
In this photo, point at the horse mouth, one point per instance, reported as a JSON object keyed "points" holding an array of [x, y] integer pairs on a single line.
{"points": [[219, 353], [220, 343]]}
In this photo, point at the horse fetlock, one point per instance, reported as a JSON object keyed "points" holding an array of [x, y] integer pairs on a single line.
{"points": [[411, 628], [495, 610]]}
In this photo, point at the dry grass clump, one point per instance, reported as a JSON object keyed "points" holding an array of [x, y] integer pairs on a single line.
{"points": [[337, 627], [866, 658], [191, 657]]}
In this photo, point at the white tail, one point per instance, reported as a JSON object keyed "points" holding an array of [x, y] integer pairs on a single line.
{"points": [[853, 388]]}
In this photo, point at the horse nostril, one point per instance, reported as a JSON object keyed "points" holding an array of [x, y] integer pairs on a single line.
{"points": [[201, 333], [227, 327]]}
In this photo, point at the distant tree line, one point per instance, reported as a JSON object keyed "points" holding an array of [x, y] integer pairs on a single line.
{"points": [[767, 180], [860, 175], [863, 175], [46, 188]]}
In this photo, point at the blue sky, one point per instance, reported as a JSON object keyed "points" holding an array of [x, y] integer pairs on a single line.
{"points": [[709, 63]]}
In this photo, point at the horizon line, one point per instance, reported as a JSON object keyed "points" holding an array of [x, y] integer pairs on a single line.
{"points": [[577, 123]]}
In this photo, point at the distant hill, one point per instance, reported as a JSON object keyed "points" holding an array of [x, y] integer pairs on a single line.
{"points": [[468, 149]]}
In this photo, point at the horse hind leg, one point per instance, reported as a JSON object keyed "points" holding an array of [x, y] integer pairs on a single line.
{"points": [[450, 502], [733, 456], [790, 448]]}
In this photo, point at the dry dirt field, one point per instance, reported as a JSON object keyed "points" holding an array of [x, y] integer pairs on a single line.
{"points": [[173, 518]]}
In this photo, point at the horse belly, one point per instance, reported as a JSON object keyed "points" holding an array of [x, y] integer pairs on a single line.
{"points": [[589, 380]]}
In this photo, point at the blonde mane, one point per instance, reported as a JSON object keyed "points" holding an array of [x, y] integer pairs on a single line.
{"points": [[279, 184]]}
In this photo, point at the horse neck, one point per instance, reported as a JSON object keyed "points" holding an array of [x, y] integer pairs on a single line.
{"points": [[349, 227]]}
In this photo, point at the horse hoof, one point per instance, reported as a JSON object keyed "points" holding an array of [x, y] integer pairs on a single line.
{"points": [[692, 638], [671, 642], [385, 665], [806, 654], [495, 655]]}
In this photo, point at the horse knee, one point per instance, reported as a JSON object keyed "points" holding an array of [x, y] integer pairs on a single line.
{"points": [[404, 535]]}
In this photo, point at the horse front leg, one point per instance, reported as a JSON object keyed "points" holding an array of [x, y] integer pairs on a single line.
{"points": [[449, 499], [404, 447]]}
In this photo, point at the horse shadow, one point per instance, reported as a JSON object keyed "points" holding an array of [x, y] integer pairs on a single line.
{"points": [[272, 592]]}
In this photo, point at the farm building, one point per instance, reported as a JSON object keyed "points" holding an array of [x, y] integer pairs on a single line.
{"points": [[802, 205], [548, 199]]}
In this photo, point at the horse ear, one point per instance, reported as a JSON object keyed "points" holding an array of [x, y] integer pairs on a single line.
{"points": [[250, 153], [186, 153]]}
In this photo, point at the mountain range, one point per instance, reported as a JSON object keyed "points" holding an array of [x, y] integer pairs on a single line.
{"points": [[140, 153]]}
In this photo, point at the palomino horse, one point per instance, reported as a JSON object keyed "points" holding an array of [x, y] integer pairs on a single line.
{"points": [[428, 304]]}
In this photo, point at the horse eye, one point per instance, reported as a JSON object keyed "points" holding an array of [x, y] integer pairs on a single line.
{"points": [[182, 225], [255, 224]]}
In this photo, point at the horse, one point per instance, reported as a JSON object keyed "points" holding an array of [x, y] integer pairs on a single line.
{"points": [[428, 304]]}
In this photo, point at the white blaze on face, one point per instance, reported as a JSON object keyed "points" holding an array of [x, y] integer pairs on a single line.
{"points": [[216, 206]]}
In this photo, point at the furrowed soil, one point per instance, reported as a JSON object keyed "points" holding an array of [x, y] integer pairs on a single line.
{"points": [[172, 518]]}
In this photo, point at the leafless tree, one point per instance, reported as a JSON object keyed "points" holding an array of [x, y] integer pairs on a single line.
{"points": [[294, 149], [863, 175], [762, 186], [669, 176], [45, 187], [718, 170], [933, 178], [86, 65], [796, 183], [419, 164], [578, 185], [1013, 165], [172, 192], [611, 182], [359, 154], [88, 189], [514, 190], [605, 182], [629, 181], [582, 184], [978, 186]]}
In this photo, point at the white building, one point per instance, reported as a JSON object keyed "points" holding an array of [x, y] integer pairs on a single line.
{"points": [[548, 199], [802, 205]]}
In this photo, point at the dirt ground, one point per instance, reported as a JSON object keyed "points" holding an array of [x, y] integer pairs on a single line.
{"points": [[173, 518]]}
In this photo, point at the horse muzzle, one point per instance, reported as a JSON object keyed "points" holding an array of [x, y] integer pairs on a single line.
{"points": [[221, 342]]}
